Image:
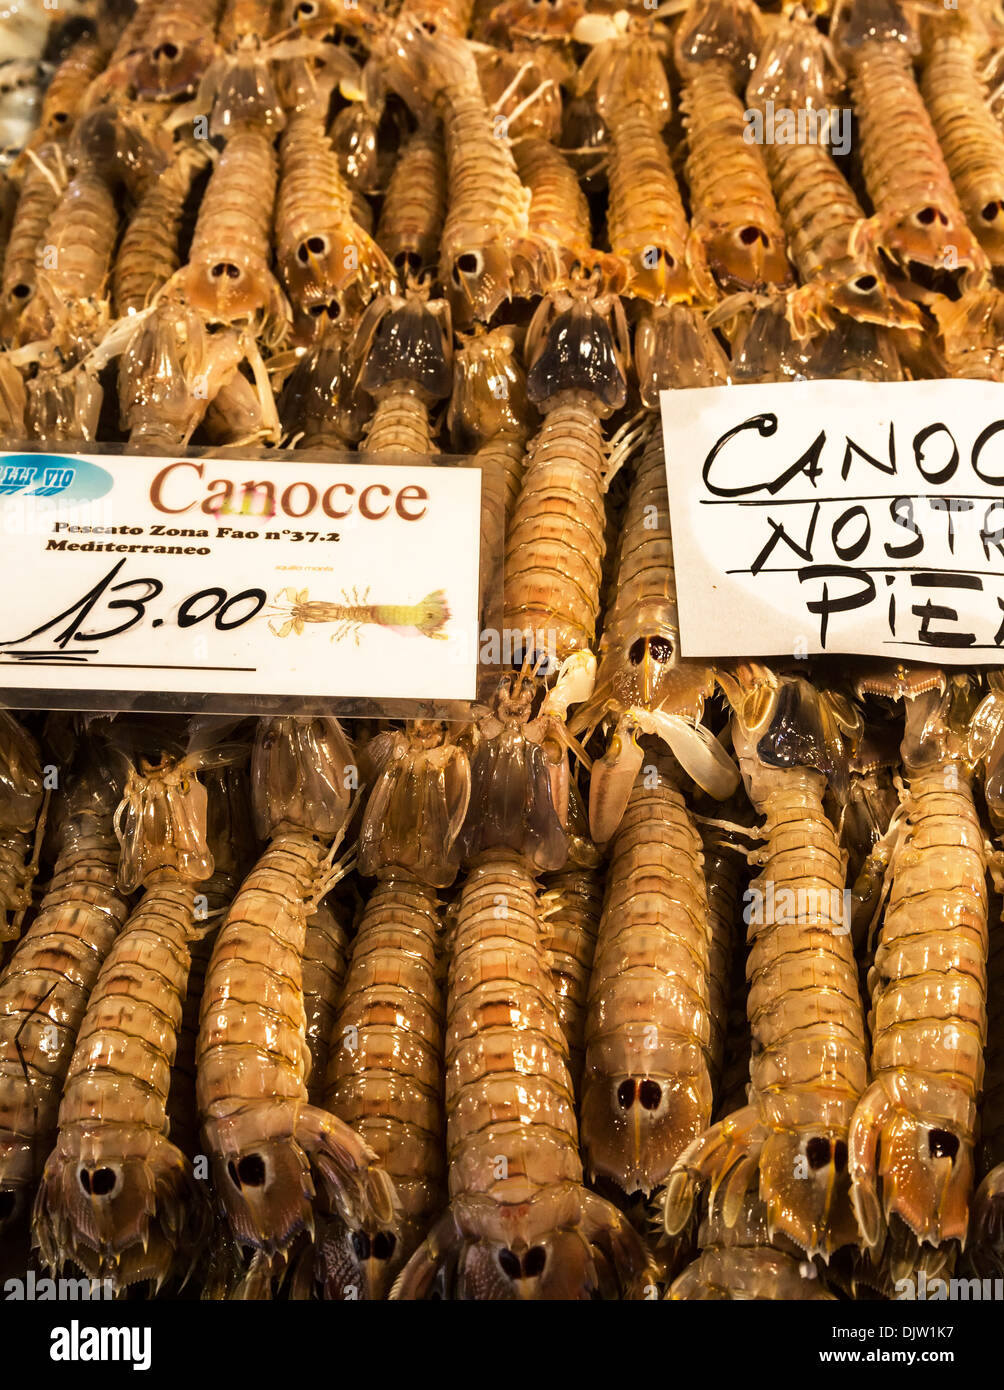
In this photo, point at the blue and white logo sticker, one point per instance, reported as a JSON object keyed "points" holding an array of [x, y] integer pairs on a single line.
{"points": [[52, 475]]}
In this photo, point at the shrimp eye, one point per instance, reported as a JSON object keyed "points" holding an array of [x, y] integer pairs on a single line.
{"points": [[313, 246], [98, 1183], [21, 291], [469, 263], [249, 1171], [167, 50], [60, 117], [817, 1151], [840, 1155], [750, 235], [625, 1094], [305, 10], [649, 1095], [864, 284], [383, 1245], [102, 1182], [990, 211], [534, 1261], [361, 1245], [408, 262], [509, 1264], [926, 216], [227, 268], [941, 1144]]}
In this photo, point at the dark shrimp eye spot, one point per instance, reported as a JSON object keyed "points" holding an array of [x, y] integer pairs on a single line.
{"points": [[636, 651], [509, 1264], [304, 11], [817, 1151], [660, 649], [865, 283], [314, 245], [941, 1144], [749, 235], [166, 50], [468, 263], [534, 1261], [408, 262], [926, 216], [650, 1094], [383, 1245], [85, 1180], [990, 211], [361, 1245], [60, 117], [221, 268], [251, 1171], [625, 1094], [102, 1182], [21, 291], [840, 1155]]}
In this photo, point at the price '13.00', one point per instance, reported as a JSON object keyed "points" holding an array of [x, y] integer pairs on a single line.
{"points": [[227, 611]]}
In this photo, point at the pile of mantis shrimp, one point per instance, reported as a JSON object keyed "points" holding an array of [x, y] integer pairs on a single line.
{"points": [[652, 977]]}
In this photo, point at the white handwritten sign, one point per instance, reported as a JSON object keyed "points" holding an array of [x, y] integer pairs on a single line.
{"points": [[238, 578], [839, 516]]}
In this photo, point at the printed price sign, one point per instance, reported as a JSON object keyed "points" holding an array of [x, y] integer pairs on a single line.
{"points": [[839, 516], [224, 579]]}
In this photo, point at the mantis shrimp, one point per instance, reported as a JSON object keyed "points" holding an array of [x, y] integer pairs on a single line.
{"points": [[646, 223], [385, 1071], [117, 1197], [642, 680], [555, 545], [832, 243], [971, 138], [414, 208], [230, 836], [227, 278], [913, 1134], [329, 263], [321, 405], [21, 799], [921, 222], [407, 369], [809, 1068], [986, 1235], [646, 1089], [41, 188], [273, 1154], [738, 1261], [489, 412], [47, 981], [519, 1224], [736, 240], [487, 220], [571, 902]]}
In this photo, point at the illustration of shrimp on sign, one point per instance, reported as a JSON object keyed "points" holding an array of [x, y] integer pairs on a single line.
{"points": [[429, 616]]}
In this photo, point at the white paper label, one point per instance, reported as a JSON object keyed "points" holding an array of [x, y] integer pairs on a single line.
{"points": [[839, 516], [282, 577]]}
